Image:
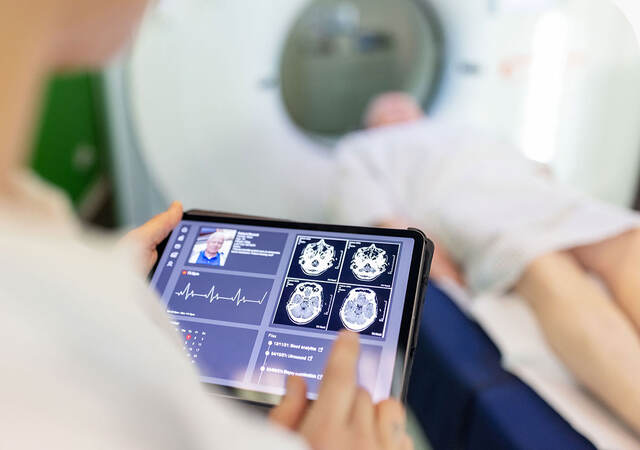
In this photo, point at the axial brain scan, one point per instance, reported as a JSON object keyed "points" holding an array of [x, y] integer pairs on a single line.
{"points": [[368, 263], [317, 258], [305, 303], [359, 309]]}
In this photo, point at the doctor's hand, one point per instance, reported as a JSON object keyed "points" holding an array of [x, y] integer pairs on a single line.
{"points": [[343, 416], [148, 236]]}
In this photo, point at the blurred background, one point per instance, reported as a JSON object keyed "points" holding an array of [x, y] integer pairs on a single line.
{"points": [[214, 94], [238, 106]]}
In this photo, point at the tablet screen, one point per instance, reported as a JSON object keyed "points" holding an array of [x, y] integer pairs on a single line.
{"points": [[254, 304]]}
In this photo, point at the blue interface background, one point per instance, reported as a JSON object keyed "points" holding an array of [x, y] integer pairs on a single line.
{"points": [[231, 321]]}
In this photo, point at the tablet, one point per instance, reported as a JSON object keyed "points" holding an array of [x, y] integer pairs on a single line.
{"points": [[256, 300]]}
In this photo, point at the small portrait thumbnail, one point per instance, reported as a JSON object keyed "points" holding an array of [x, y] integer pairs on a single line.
{"points": [[212, 246]]}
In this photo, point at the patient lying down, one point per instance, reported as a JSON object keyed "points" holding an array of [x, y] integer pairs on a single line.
{"points": [[501, 223]]}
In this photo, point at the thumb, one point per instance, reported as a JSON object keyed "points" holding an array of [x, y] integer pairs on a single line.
{"points": [[290, 412], [153, 232]]}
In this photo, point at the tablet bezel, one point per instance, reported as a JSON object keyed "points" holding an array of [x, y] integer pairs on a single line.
{"points": [[414, 297]]}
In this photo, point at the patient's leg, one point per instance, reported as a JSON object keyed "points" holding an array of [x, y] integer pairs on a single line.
{"points": [[617, 262], [587, 329]]}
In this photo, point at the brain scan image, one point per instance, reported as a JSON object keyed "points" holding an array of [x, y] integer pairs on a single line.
{"points": [[317, 258], [368, 263], [305, 303], [359, 310]]}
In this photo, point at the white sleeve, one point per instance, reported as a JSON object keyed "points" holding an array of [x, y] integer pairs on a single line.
{"points": [[89, 361]]}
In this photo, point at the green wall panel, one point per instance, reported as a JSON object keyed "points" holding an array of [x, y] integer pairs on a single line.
{"points": [[70, 148]]}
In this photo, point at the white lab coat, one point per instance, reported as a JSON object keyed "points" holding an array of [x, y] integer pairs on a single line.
{"points": [[491, 208], [87, 357]]}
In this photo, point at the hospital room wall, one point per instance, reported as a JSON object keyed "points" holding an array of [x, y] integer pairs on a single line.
{"points": [[539, 74], [598, 140], [138, 194], [71, 149]]}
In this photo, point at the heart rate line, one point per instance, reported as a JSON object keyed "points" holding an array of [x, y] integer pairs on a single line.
{"points": [[212, 296]]}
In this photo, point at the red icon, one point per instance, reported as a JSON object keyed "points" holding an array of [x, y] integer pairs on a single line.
{"points": [[188, 337], [184, 272]]}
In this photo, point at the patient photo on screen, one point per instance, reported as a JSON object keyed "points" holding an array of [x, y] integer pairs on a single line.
{"points": [[212, 247]]}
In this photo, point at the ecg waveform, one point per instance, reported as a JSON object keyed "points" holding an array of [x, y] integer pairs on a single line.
{"points": [[212, 296]]}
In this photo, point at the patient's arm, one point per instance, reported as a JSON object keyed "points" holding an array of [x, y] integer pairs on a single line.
{"points": [[588, 330], [443, 266]]}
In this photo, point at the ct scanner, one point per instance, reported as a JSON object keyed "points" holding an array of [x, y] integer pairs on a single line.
{"points": [[229, 105], [236, 106]]}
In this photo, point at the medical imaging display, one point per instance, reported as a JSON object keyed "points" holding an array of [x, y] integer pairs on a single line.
{"points": [[361, 309], [361, 282], [317, 258], [254, 305], [370, 263], [305, 303]]}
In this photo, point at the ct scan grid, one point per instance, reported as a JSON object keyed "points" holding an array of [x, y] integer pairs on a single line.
{"points": [[333, 284]]}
